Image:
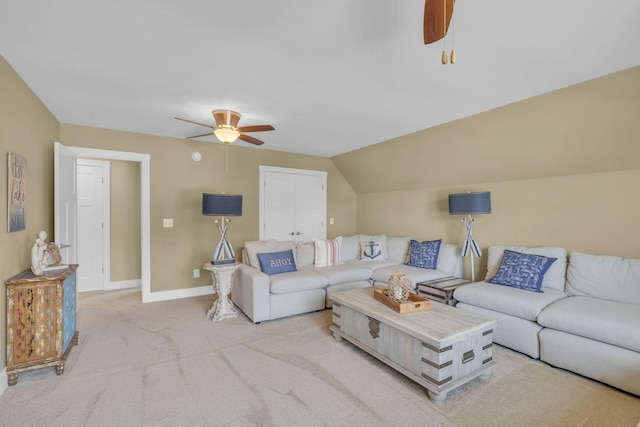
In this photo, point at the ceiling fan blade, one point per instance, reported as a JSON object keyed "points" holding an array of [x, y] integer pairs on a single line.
{"points": [[435, 27], [198, 136], [250, 139], [256, 128], [195, 123]]}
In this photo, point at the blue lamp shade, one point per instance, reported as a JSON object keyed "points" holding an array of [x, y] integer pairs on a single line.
{"points": [[470, 203], [222, 204]]}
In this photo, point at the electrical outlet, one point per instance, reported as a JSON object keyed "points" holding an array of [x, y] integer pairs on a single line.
{"points": [[167, 222], [196, 273], [331, 222]]}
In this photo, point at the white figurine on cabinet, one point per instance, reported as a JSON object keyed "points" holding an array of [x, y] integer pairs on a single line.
{"points": [[39, 254]]}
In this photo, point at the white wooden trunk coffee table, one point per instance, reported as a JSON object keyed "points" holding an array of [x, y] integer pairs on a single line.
{"points": [[440, 348]]}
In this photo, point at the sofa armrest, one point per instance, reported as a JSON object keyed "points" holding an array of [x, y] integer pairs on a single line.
{"points": [[251, 293]]}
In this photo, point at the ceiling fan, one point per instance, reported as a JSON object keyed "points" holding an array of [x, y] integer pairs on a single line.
{"points": [[227, 130]]}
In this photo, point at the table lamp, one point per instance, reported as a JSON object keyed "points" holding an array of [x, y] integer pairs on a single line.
{"points": [[222, 205], [470, 204]]}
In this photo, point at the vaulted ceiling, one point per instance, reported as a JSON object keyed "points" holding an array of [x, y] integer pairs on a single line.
{"points": [[331, 76]]}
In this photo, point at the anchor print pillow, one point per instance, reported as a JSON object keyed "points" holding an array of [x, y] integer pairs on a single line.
{"points": [[372, 250], [424, 254]]}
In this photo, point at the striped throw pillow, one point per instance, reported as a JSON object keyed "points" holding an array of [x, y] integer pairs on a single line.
{"points": [[327, 252]]}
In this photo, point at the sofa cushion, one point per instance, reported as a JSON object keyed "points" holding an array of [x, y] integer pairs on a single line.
{"points": [[522, 271], [610, 322], [252, 249], [449, 258], [415, 274], [398, 248], [372, 266], [372, 250], [342, 273], [301, 280], [607, 277], [350, 248], [327, 252], [503, 299], [554, 278], [365, 238], [305, 254], [424, 254], [277, 262]]}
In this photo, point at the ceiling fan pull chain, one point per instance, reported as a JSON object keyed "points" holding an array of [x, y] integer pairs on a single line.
{"points": [[444, 33], [453, 35]]}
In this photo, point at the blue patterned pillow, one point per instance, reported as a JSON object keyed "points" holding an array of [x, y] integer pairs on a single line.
{"points": [[522, 271], [424, 254], [277, 262]]}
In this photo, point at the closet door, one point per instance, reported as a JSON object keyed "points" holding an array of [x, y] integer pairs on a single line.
{"points": [[293, 204]]}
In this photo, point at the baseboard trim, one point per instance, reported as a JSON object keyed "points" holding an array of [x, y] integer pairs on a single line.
{"points": [[123, 284], [179, 293], [3, 384]]}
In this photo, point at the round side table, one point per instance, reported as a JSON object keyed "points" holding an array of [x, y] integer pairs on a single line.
{"points": [[222, 276]]}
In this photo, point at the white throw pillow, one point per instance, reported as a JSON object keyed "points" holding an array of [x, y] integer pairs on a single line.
{"points": [[327, 252]]}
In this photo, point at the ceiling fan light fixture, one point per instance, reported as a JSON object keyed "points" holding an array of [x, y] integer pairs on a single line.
{"points": [[226, 134]]}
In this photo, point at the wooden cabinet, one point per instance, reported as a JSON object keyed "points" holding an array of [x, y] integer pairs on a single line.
{"points": [[41, 320]]}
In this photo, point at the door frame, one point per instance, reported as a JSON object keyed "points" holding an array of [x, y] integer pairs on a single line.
{"points": [[106, 216], [266, 169], [145, 206]]}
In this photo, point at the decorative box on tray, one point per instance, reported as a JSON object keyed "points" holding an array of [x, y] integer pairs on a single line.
{"points": [[412, 304]]}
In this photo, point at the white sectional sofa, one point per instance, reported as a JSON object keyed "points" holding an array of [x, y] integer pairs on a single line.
{"points": [[586, 319], [266, 297]]}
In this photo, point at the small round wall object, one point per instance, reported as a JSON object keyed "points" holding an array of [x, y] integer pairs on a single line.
{"points": [[196, 156]]}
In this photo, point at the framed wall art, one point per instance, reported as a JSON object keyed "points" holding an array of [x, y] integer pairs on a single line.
{"points": [[16, 192]]}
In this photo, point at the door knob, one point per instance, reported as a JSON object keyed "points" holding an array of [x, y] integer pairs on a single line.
{"points": [[292, 234]]}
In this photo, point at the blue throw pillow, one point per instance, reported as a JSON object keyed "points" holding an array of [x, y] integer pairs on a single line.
{"points": [[277, 262], [522, 271], [424, 254]]}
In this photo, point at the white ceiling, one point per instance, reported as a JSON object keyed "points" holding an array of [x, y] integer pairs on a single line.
{"points": [[331, 76]]}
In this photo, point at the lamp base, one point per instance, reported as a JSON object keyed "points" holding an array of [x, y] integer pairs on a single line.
{"points": [[223, 261]]}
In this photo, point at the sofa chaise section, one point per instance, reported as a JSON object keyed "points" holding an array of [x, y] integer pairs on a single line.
{"points": [[596, 331]]}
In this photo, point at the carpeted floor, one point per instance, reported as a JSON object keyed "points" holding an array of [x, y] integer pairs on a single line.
{"points": [[166, 364]]}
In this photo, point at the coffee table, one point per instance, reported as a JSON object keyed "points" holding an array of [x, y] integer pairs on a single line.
{"points": [[441, 348]]}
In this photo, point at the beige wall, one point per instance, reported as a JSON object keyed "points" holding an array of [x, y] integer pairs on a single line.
{"points": [[563, 169], [177, 184], [27, 128]]}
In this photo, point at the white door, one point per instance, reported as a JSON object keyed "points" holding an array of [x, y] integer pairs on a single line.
{"points": [[65, 202], [292, 204], [279, 216], [93, 225], [310, 207]]}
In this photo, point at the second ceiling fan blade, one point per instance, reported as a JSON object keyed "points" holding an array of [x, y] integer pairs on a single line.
{"points": [[195, 123], [198, 136], [250, 139], [256, 128]]}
